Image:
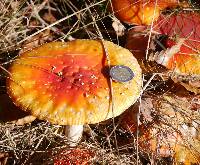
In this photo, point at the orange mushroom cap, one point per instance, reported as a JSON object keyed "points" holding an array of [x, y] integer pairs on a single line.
{"points": [[140, 11], [68, 83], [185, 61]]}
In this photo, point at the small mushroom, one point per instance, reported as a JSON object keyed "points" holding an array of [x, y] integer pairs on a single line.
{"points": [[141, 12], [75, 156], [69, 83]]}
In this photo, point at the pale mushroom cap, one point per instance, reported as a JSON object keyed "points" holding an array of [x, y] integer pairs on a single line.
{"points": [[67, 83]]}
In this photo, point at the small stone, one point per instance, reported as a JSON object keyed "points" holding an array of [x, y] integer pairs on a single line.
{"points": [[121, 73]]}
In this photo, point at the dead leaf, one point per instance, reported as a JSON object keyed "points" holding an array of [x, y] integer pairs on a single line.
{"points": [[118, 27]]}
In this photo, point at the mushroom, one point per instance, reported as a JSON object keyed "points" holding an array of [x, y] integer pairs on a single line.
{"points": [[179, 57], [68, 83], [182, 45], [180, 25], [76, 156], [182, 42], [141, 12]]}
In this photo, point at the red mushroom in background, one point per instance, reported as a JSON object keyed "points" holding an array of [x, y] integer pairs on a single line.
{"points": [[183, 30], [68, 83], [182, 47], [74, 157], [141, 12], [180, 25], [179, 57]]}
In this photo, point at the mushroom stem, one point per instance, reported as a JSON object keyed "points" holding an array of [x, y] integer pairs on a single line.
{"points": [[74, 134]]}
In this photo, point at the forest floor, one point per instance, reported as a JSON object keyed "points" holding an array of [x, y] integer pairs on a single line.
{"points": [[165, 112]]}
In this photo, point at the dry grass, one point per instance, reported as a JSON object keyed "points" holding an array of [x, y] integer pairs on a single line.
{"points": [[27, 24]]}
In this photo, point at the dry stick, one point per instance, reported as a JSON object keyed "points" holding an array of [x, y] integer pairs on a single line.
{"points": [[4, 69], [137, 131], [64, 35], [11, 141], [38, 144], [151, 29], [23, 150], [75, 9], [111, 92], [59, 21], [194, 49], [138, 115], [112, 9], [147, 52], [101, 18], [93, 134], [37, 16], [190, 9], [110, 79], [9, 20], [85, 25]]}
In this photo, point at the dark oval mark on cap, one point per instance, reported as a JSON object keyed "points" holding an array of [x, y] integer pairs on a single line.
{"points": [[121, 73]]}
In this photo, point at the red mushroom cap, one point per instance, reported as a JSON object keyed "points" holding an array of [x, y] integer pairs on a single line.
{"points": [[74, 157], [180, 26], [68, 83]]}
